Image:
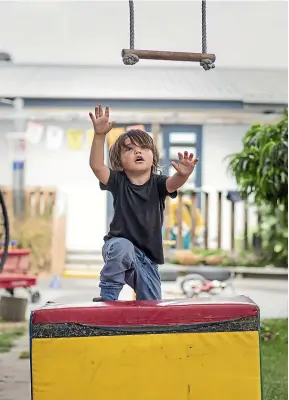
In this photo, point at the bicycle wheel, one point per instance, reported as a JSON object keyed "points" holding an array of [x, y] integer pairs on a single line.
{"points": [[189, 282], [4, 231]]}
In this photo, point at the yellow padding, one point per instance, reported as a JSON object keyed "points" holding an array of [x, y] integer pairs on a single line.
{"points": [[195, 366]]}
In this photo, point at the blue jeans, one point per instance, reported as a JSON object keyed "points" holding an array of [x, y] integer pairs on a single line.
{"points": [[126, 264]]}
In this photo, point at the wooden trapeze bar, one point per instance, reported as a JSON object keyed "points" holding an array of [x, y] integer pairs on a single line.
{"points": [[169, 55]]}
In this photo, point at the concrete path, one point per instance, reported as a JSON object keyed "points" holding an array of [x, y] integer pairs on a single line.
{"points": [[15, 373]]}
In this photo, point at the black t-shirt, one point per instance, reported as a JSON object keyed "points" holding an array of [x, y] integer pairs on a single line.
{"points": [[139, 212]]}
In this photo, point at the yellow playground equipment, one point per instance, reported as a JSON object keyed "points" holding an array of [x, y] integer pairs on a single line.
{"points": [[186, 220], [184, 349]]}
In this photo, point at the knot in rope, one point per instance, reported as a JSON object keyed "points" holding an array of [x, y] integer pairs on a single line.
{"points": [[130, 59], [207, 64]]}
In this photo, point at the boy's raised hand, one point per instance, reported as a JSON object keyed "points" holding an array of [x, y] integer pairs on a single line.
{"points": [[186, 163], [100, 121]]}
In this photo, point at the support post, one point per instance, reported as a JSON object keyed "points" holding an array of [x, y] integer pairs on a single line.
{"points": [[219, 220], [180, 221], [246, 241], [194, 219], [18, 163], [233, 226], [206, 220]]}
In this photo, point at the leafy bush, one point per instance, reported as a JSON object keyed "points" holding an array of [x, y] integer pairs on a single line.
{"points": [[261, 171], [261, 168], [274, 233]]}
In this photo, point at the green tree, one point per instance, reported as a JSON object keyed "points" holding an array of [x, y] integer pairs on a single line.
{"points": [[261, 172]]}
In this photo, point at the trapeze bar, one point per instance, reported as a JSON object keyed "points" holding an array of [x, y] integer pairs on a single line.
{"points": [[169, 55]]}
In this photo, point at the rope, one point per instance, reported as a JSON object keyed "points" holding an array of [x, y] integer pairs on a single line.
{"points": [[204, 26], [131, 25], [205, 63], [131, 59]]}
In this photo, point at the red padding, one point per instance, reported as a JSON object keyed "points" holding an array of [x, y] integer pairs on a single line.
{"points": [[17, 252], [147, 313], [11, 281]]}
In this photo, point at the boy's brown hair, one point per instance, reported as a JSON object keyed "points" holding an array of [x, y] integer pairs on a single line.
{"points": [[138, 138]]}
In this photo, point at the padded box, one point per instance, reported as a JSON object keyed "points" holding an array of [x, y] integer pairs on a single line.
{"points": [[147, 350]]}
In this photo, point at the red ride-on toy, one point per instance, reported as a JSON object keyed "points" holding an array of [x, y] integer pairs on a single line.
{"points": [[15, 275]]}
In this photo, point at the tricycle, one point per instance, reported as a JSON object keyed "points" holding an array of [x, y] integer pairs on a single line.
{"points": [[206, 281]]}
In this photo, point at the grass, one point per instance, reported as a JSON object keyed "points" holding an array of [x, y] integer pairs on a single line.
{"points": [[24, 355], [8, 334], [275, 359]]}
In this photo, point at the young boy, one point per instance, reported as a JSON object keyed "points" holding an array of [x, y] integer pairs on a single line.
{"points": [[133, 246]]}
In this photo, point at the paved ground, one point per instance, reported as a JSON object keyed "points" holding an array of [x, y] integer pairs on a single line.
{"points": [[15, 373], [270, 295]]}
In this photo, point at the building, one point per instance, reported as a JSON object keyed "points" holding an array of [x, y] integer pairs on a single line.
{"points": [[206, 112]]}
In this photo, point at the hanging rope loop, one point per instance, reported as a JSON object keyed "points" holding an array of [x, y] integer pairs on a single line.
{"points": [[131, 59], [205, 63]]}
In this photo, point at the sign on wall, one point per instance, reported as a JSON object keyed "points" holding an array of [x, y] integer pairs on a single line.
{"points": [[17, 145]]}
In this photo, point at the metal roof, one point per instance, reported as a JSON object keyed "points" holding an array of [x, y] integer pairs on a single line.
{"points": [[139, 82]]}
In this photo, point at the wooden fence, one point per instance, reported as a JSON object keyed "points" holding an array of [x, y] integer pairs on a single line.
{"points": [[41, 202], [37, 201], [222, 224]]}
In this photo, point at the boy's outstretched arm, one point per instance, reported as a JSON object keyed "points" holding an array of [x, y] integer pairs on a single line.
{"points": [[184, 169], [96, 160], [101, 126]]}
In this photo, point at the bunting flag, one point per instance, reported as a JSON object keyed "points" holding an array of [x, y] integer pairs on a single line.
{"points": [[89, 136], [113, 135], [54, 137], [74, 139], [34, 132]]}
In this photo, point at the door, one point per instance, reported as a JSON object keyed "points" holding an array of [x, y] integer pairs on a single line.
{"points": [[178, 138]]}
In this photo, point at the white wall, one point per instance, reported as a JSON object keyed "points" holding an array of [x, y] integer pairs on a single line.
{"points": [[69, 172], [240, 33], [86, 205], [218, 143]]}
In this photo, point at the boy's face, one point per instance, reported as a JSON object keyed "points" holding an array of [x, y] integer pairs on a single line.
{"points": [[135, 158]]}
